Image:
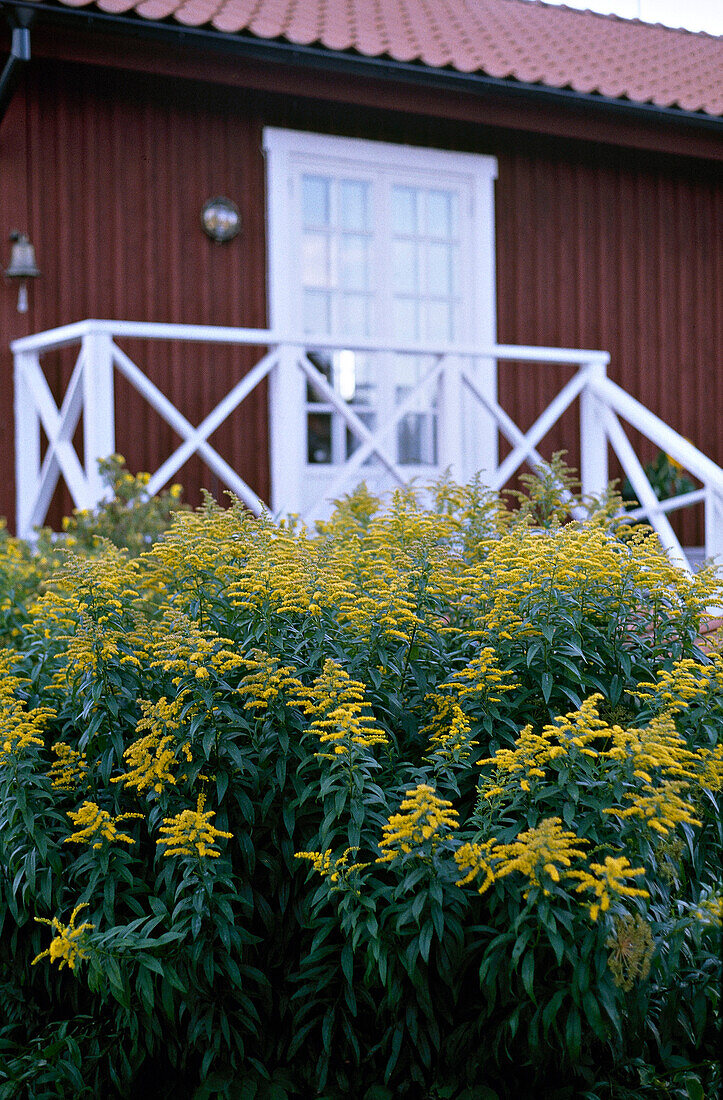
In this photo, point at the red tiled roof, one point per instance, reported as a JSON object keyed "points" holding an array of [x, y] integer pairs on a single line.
{"points": [[532, 42]]}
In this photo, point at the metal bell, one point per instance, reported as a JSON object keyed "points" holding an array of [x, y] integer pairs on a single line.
{"points": [[23, 264]]}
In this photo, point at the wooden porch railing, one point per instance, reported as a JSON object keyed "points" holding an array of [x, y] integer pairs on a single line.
{"points": [[465, 377]]}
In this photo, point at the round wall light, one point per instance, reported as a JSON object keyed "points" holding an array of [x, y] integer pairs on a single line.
{"points": [[220, 219]]}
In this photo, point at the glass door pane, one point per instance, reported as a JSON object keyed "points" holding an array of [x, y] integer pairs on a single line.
{"points": [[424, 303], [337, 299]]}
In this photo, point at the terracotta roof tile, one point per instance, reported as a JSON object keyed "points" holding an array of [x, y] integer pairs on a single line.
{"points": [[522, 40]]}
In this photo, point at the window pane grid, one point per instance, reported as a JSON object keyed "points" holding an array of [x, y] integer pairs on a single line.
{"points": [[340, 296]]}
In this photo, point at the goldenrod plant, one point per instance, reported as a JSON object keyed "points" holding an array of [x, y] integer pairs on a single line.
{"points": [[422, 803]]}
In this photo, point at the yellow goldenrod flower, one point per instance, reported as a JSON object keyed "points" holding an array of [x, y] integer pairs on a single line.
{"points": [[150, 760], [657, 747], [96, 825], [340, 715], [66, 946], [448, 730], [338, 870], [266, 681], [423, 822], [660, 808], [710, 910], [609, 879], [543, 850], [688, 681], [482, 679], [191, 833], [69, 769], [474, 860], [710, 765]]}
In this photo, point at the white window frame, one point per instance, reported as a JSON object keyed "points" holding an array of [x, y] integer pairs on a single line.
{"points": [[288, 153]]}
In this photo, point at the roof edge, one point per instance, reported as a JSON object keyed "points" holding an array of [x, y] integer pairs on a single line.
{"points": [[349, 62], [612, 15]]}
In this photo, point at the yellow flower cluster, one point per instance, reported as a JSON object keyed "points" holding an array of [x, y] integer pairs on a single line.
{"points": [[686, 682], [66, 947], [337, 870], [657, 755], [532, 752], [191, 833], [383, 571], [20, 728], [266, 680], [448, 730], [278, 573], [161, 716], [608, 879], [152, 758], [710, 762], [661, 808], [476, 860], [710, 911], [656, 747], [545, 854], [179, 646], [547, 849], [96, 826], [339, 713], [70, 769], [423, 822], [579, 565], [482, 679]]}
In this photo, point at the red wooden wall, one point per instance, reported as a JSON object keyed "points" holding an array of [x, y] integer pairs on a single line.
{"points": [[597, 247]]}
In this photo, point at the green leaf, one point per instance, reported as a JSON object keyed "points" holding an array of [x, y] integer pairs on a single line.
{"points": [[221, 786], [546, 685], [520, 944], [528, 973], [694, 1088], [592, 1011], [397, 1039], [573, 1034], [347, 962], [425, 940]]}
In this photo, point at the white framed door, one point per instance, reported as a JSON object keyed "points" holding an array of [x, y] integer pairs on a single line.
{"points": [[372, 240]]}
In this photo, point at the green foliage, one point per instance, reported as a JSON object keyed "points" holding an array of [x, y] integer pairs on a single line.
{"points": [[666, 478], [127, 516], [422, 804]]}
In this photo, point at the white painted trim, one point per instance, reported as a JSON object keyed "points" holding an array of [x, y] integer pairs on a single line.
{"points": [[353, 151], [215, 334]]}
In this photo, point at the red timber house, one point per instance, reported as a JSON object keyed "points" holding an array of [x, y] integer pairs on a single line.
{"points": [[330, 240]]}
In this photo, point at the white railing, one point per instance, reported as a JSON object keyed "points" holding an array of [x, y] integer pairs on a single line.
{"points": [[464, 378]]}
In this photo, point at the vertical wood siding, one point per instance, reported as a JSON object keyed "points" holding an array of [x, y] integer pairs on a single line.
{"points": [[117, 172], [623, 257], [108, 173]]}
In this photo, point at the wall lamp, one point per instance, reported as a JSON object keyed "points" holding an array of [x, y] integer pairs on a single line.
{"points": [[23, 266]]}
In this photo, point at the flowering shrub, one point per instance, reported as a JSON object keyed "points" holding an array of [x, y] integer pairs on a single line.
{"points": [[128, 515], [425, 804]]}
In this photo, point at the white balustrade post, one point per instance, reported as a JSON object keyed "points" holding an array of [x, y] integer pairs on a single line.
{"points": [[714, 524], [451, 424], [287, 442], [593, 437], [27, 442], [98, 410], [480, 427]]}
